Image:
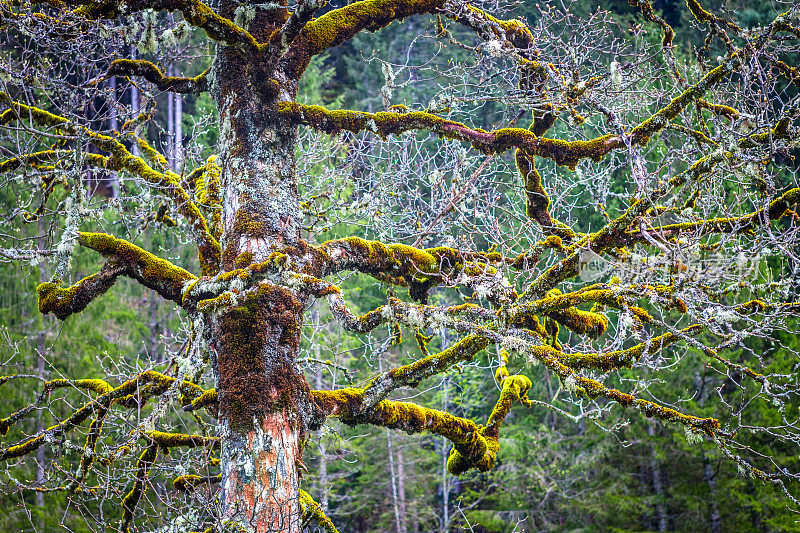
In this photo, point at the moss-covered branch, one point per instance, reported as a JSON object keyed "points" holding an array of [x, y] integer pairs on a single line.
{"points": [[567, 153], [732, 225], [537, 205], [411, 375], [167, 183], [491, 28], [123, 257], [131, 499], [573, 382], [515, 389], [205, 183], [385, 123], [64, 302], [625, 358], [188, 482], [419, 269], [342, 24], [153, 74], [555, 301], [311, 510], [471, 447]]}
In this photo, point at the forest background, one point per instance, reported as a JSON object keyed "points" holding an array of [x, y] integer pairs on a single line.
{"points": [[554, 473]]}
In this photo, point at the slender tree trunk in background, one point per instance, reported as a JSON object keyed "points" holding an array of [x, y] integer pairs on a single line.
{"points": [[113, 123], [393, 481], [154, 347], [135, 106], [658, 487], [445, 485], [40, 354], [445, 488], [170, 143], [715, 520], [401, 491], [265, 405], [178, 144], [708, 476]]}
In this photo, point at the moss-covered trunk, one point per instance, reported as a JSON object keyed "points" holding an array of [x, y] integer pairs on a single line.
{"points": [[264, 401]]}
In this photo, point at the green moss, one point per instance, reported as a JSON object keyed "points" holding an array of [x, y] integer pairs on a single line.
{"points": [[244, 259], [188, 482], [568, 153], [171, 440], [151, 271], [153, 74], [311, 510]]}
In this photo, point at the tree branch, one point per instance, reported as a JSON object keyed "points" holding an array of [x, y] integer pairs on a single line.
{"points": [[194, 12], [125, 258], [153, 74]]}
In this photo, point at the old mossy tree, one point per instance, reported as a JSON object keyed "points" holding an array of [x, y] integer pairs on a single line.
{"points": [[258, 271]]}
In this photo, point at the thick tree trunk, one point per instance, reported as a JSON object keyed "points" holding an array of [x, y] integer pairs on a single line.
{"points": [[265, 407]]}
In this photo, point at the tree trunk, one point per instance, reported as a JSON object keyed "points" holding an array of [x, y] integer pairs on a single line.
{"points": [[322, 467], [322, 470], [177, 147], [401, 491], [113, 124], [170, 151], [708, 475], [445, 447], [154, 346], [658, 486], [40, 351], [393, 481], [265, 406], [135, 107]]}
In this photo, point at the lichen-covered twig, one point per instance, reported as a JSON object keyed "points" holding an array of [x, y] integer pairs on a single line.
{"points": [[194, 12]]}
